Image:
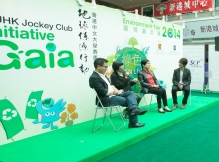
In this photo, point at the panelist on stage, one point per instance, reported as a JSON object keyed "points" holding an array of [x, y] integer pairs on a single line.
{"points": [[121, 80], [111, 96], [181, 82], [149, 84]]}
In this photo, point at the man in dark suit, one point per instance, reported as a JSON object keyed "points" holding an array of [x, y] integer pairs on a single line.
{"points": [[110, 96], [181, 82]]}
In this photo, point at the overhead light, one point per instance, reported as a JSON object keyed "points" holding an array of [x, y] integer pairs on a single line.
{"points": [[81, 2], [93, 4], [124, 13], [136, 14], [210, 9], [183, 25], [163, 19], [196, 14]]}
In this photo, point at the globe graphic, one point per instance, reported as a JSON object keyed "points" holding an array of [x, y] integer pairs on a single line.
{"points": [[50, 47], [131, 58], [170, 33], [48, 102]]}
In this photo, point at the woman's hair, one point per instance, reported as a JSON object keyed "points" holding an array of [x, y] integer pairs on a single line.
{"points": [[144, 62], [116, 65], [183, 61]]}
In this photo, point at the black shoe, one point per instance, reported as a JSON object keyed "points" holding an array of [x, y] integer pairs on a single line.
{"points": [[136, 125], [138, 112]]}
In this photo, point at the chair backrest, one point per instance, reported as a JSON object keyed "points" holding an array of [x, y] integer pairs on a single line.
{"points": [[99, 101]]}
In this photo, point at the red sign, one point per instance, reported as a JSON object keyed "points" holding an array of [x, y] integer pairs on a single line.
{"points": [[181, 6]]}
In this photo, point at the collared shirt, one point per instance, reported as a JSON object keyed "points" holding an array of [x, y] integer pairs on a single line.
{"points": [[120, 74], [181, 76], [110, 88], [150, 78]]}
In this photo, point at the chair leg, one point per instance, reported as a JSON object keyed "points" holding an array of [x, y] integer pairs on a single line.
{"points": [[108, 116], [147, 107], [111, 116], [94, 130], [120, 117]]}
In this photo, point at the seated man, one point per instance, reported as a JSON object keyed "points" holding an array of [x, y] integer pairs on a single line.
{"points": [[110, 96], [121, 80], [181, 82]]}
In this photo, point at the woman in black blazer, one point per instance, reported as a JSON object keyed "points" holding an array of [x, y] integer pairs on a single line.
{"points": [[122, 80], [149, 84]]}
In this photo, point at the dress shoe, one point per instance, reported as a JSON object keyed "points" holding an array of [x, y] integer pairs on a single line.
{"points": [[167, 110], [136, 125], [175, 106], [183, 106], [125, 113], [138, 112], [161, 111]]}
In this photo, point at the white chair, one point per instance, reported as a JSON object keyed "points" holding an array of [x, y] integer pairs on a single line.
{"points": [[104, 109]]}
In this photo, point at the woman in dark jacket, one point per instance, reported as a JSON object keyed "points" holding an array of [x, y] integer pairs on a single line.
{"points": [[149, 84], [121, 80]]}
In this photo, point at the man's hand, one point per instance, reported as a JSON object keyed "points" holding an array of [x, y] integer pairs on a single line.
{"points": [[180, 86], [120, 92]]}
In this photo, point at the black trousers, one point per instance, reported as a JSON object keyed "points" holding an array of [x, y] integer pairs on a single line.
{"points": [[161, 93], [186, 89]]}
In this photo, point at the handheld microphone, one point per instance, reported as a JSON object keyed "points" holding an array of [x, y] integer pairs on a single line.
{"points": [[128, 75]]}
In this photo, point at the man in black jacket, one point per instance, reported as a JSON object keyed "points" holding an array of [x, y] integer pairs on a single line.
{"points": [[110, 96], [181, 82]]}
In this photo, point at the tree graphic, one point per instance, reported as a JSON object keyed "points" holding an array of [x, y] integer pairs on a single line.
{"points": [[133, 42]]}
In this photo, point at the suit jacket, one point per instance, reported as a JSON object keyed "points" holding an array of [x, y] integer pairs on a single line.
{"points": [[143, 79], [101, 87], [121, 82], [186, 79]]}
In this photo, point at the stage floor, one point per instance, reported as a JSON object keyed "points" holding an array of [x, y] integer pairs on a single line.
{"points": [[77, 143]]}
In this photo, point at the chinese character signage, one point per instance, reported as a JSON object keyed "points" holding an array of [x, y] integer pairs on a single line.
{"points": [[181, 6], [201, 29]]}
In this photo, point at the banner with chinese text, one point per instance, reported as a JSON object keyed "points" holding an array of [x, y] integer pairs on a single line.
{"points": [[181, 6], [201, 29]]}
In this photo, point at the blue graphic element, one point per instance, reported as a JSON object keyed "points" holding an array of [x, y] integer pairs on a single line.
{"points": [[36, 62], [145, 50], [174, 47], [170, 33], [162, 84], [49, 111], [51, 47]]}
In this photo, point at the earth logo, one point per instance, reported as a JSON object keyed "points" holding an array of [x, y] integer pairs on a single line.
{"points": [[131, 57], [48, 103]]}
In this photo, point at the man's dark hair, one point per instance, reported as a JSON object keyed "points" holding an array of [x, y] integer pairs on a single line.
{"points": [[99, 61], [144, 62], [116, 65], [183, 61]]}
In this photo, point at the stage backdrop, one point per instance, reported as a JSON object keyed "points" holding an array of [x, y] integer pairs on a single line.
{"points": [[47, 50], [213, 65], [195, 56]]}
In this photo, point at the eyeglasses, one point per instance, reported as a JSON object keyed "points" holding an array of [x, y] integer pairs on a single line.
{"points": [[105, 66]]}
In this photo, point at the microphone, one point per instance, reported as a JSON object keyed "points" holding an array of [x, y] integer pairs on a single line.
{"points": [[124, 72]]}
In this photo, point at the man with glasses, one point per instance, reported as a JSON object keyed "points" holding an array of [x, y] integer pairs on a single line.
{"points": [[110, 96]]}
